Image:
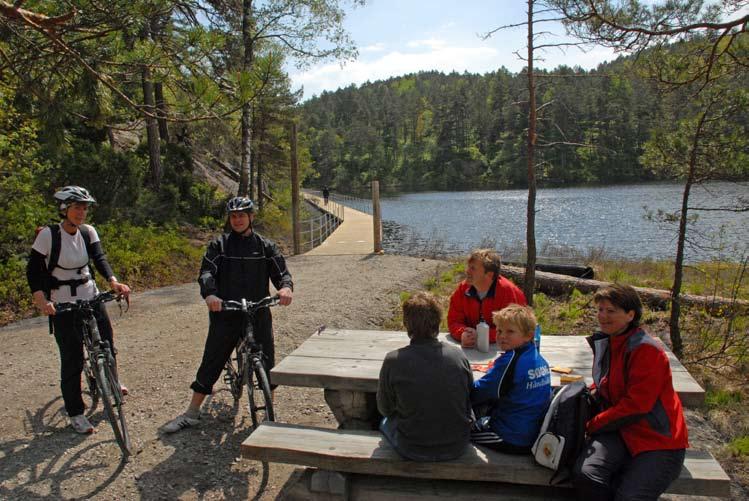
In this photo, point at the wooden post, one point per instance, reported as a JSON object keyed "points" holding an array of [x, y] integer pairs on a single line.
{"points": [[376, 217], [296, 230]]}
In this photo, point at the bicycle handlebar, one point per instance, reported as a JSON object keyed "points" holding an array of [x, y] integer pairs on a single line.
{"points": [[86, 304], [249, 306]]}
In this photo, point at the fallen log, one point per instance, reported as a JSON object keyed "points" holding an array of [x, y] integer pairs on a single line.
{"points": [[225, 168], [571, 270], [558, 285]]}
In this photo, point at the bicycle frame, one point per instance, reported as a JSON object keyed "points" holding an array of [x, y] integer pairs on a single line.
{"points": [[99, 364], [250, 370]]}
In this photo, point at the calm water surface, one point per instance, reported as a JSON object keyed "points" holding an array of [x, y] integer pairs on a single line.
{"points": [[610, 218]]}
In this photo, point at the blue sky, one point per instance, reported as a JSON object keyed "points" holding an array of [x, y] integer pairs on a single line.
{"points": [[399, 37]]}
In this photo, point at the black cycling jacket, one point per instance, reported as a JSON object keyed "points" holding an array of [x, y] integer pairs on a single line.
{"points": [[243, 269]]}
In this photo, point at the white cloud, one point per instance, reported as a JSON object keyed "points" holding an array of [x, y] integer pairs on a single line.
{"points": [[432, 54], [431, 43], [378, 47]]}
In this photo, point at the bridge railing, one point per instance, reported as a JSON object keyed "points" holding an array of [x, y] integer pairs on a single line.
{"points": [[358, 203], [314, 230]]}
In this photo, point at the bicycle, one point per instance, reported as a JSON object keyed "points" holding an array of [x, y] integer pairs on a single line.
{"points": [[245, 368], [99, 365]]}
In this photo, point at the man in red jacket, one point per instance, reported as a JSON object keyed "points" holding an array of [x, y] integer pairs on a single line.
{"points": [[483, 291]]}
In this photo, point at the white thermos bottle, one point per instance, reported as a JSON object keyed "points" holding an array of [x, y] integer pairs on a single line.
{"points": [[482, 336]]}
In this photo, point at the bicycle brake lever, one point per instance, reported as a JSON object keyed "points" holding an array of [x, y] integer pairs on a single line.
{"points": [[119, 303]]}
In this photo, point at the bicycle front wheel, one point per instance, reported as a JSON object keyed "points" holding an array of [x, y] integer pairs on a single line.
{"points": [[233, 375], [111, 397], [93, 389], [258, 394]]}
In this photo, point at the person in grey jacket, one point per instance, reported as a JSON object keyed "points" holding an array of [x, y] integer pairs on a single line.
{"points": [[424, 389]]}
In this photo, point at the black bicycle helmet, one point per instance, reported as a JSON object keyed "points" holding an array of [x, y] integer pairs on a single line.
{"points": [[69, 194], [240, 204]]}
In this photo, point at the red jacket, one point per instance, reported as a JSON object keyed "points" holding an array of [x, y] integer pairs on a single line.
{"points": [[633, 377], [464, 306]]}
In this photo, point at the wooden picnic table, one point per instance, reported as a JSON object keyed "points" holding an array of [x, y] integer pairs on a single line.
{"points": [[346, 364]]}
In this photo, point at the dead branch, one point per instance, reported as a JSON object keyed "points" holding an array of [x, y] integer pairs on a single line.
{"points": [[14, 12]]}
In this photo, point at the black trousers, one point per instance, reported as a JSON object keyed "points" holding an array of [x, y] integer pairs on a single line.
{"points": [[224, 330], [607, 471], [69, 339]]}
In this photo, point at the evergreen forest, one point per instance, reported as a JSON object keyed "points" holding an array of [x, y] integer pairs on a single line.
{"points": [[432, 131]]}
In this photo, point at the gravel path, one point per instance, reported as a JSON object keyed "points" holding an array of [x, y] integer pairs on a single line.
{"points": [[160, 341]]}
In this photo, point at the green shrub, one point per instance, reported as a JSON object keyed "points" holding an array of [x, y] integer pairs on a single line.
{"points": [[114, 178], [14, 291], [739, 446], [22, 203], [149, 256], [720, 398]]}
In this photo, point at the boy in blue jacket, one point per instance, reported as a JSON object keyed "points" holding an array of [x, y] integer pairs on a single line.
{"points": [[516, 390]]}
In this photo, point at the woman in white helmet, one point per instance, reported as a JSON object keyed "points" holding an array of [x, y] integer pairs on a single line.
{"points": [[58, 271]]}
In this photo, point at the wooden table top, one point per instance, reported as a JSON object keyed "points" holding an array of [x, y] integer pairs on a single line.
{"points": [[343, 359]]}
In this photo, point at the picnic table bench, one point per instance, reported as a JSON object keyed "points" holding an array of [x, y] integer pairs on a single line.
{"points": [[368, 453], [355, 461]]}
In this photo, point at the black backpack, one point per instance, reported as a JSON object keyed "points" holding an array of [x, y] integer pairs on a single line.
{"points": [[562, 434], [54, 254]]}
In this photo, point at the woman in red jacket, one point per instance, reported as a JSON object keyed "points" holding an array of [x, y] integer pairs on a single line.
{"points": [[637, 442]]}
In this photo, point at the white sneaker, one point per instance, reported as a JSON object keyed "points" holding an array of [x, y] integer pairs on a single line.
{"points": [[81, 424], [180, 422]]}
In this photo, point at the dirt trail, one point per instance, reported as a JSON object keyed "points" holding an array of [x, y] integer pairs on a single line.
{"points": [[160, 341]]}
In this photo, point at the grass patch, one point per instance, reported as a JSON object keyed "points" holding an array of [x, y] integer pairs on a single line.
{"points": [[573, 316], [739, 446], [708, 278], [720, 398]]}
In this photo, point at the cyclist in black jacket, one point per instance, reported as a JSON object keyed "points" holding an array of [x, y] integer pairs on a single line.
{"points": [[236, 265]]}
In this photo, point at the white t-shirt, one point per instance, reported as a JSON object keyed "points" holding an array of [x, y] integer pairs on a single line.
{"points": [[73, 256]]}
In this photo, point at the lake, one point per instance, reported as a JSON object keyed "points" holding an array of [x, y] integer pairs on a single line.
{"points": [[569, 221]]}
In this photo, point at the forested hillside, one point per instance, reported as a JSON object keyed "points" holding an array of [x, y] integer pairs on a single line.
{"points": [[146, 104], [465, 131]]}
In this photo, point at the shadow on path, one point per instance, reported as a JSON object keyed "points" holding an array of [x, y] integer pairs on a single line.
{"points": [[41, 467], [206, 459]]}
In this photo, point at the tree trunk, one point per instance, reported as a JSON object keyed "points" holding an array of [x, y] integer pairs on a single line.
{"points": [[529, 282], [162, 110], [259, 176], [152, 131], [245, 169], [673, 321], [157, 26]]}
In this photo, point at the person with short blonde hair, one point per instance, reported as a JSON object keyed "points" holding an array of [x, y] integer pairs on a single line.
{"points": [[483, 291], [424, 387], [521, 316], [516, 390]]}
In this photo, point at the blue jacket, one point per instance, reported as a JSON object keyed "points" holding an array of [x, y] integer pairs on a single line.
{"points": [[518, 389]]}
